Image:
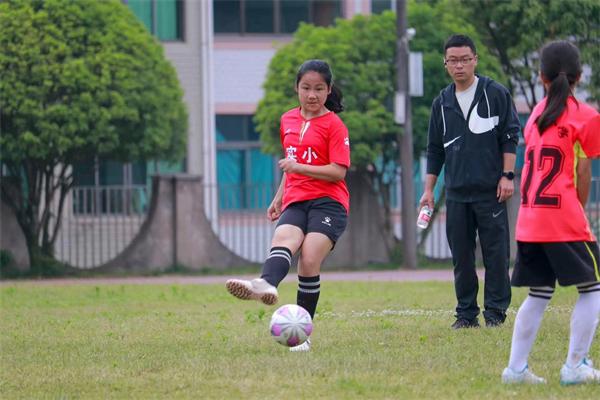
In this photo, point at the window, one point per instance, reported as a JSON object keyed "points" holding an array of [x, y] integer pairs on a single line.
{"points": [[109, 187], [259, 16], [245, 176], [379, 6], [163, 18], [272, 16]]}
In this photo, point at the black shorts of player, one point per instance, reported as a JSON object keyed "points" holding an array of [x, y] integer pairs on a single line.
{"points": [[542, 264], [323, 215]]}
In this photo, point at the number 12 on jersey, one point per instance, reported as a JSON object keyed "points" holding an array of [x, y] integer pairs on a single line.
{"points": [[541, 196]]}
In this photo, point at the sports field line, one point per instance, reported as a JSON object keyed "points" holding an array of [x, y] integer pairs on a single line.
{"points": [[419, 312]]}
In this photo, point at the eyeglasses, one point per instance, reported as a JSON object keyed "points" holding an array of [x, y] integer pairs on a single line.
{"points": [[454, 61]]}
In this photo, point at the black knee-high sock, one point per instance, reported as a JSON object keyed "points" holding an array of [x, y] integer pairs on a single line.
{"points": [[277, 265], [309, 288]]}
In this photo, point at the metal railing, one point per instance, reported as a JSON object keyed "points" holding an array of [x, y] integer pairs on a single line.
{"points": [[248, 232], [243, 226], [99, 222]]}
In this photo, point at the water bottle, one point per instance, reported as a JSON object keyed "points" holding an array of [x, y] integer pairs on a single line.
{"points": [[424, 217]]}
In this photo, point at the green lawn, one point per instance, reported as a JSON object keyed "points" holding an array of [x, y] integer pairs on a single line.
{"points": [[371, 340]]}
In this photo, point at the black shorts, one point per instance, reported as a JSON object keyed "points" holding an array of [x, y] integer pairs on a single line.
{"points": [[542, 264], [323, 215]]}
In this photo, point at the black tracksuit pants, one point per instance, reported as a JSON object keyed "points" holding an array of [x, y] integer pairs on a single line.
{"points": [[489, 220]]}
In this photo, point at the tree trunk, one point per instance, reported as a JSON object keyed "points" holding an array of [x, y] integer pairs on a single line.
{"points": [[23, 193]]}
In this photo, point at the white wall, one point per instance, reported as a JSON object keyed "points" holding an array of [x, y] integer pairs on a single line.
{"points": [[239, 76], [186, 58]]}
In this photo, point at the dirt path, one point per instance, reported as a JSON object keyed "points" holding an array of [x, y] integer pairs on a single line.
{"points": [[375, 276]]}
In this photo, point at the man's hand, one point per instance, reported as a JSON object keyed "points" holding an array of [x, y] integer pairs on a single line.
{"points": [[427, 198], [505, 189]]}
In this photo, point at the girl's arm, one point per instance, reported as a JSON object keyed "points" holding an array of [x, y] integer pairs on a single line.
{"points": [[332, 172], [584, 179]]}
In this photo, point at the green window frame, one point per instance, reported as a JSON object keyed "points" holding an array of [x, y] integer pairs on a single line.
{"points": [[163, 18]]}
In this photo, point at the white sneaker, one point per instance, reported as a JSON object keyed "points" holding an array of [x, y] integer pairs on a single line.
{"points": [[525, 376], [302, 347], [256, 289], [583, 373]]}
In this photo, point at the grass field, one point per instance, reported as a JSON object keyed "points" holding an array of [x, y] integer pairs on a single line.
{"points": [[371, 341]]}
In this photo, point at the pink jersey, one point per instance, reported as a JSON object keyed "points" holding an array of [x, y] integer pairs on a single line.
{"points": [[319, 141], [550, 209]]}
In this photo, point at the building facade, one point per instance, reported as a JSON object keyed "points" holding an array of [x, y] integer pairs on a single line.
{"points": [[221, 50]]}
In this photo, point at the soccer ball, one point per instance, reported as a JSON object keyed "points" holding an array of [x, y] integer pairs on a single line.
{"points": [[291, 325]]}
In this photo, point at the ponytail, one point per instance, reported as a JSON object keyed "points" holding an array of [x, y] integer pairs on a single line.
{"points": [[558, 93], [560, 66], [334, 100]]}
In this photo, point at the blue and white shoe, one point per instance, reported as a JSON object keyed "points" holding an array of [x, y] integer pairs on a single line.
{"points": [[583, 373], [510, 376]]}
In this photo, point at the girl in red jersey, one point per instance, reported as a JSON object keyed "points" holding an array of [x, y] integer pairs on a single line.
{"points": [[312, 201], [554, 239]]}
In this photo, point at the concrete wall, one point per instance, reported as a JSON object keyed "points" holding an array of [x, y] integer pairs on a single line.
{"points": [[363, 242], [176, 232], [12, 238]]}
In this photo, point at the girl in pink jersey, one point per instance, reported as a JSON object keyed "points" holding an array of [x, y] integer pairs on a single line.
{"points": [[312, 202], [554, 239]]}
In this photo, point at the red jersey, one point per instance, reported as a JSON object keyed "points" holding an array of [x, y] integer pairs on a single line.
{"points": [[318, 141], [550, 209]]}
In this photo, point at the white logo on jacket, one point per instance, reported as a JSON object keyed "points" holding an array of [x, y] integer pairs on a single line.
{"points": [[479, 125], [448, 143]]}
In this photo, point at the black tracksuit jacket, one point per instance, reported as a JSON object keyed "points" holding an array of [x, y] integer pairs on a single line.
{"points": [[471, 149]]}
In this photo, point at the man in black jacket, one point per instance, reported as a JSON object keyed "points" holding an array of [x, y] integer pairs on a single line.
{"points": [[473, 131]]}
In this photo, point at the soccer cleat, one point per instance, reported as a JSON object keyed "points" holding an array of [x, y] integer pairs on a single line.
{"points": [[256, 289], [302, 347], [583, 373], [526, 376], [462, 323]]}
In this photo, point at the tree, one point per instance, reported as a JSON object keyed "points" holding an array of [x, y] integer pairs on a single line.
{"points": [[80, 79], [361, 52], [515, 29]]}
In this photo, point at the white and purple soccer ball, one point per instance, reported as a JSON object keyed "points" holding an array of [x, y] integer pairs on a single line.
{"points": [[291, 325]]}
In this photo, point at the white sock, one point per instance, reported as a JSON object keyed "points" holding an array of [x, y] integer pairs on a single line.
{"points": [[527, 323], [584, 320]]}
